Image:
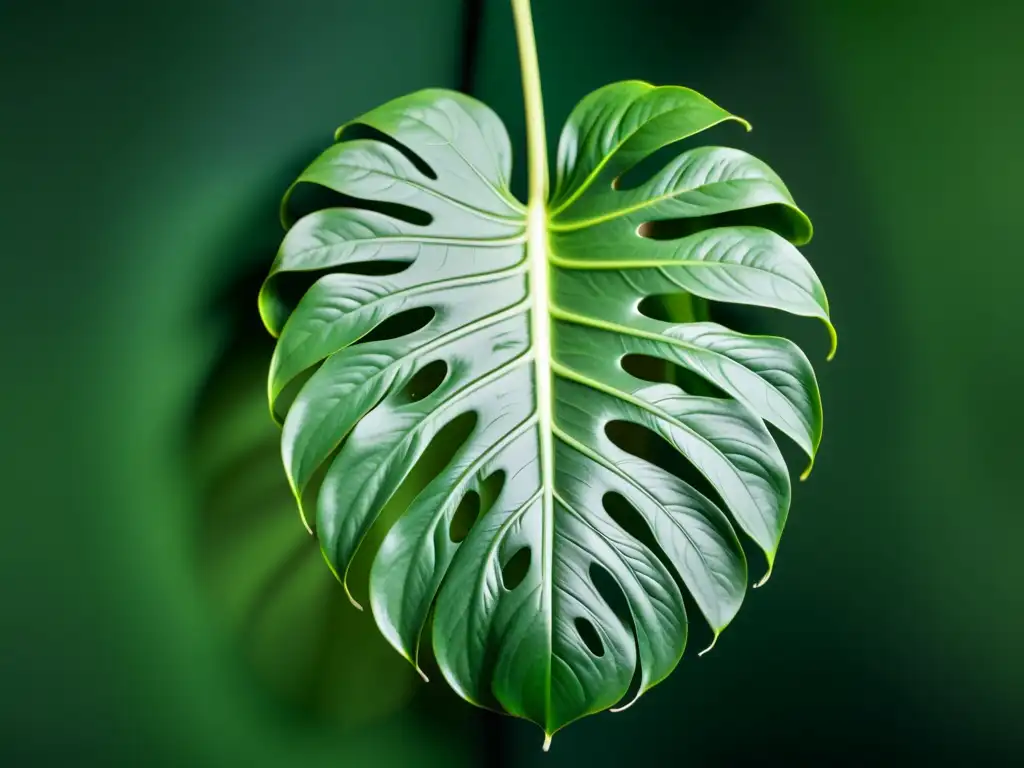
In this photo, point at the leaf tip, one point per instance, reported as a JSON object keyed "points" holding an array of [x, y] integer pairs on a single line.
{"points": [[713, 641], [305, 522], [807, 472], [764, 579], [629, 703], [342, 581], [348, 594], [833, 341], [397, 645], [547, 742]]}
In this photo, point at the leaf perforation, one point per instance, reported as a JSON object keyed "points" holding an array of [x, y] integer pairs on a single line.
{"points": [[508, 200], [433, 193], [537, 310]]}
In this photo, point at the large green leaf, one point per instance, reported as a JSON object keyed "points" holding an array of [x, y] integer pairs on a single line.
{"points": [[433, 294]]}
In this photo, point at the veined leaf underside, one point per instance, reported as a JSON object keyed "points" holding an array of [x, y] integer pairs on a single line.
{"points": [[430, 293]]}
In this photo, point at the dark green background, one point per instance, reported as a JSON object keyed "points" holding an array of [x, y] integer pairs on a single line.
{"points": [[142, 149]]}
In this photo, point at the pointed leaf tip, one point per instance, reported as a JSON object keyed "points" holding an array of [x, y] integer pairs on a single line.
{"points": [[298, 497], [713, 641], [833, 338], [343, 582], [764, 579], [547, 742], [355, 603], [624, 707]]}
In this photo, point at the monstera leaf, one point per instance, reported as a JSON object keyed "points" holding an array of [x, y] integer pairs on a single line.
{"points": [[546, 560]]}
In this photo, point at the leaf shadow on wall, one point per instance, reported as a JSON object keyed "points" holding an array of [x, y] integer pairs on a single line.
{"points": [[286, 624]]}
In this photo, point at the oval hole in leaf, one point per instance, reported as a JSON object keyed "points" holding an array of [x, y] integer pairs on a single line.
{"points": [[515, 569], [630, 520], [425, 381], [646, 367], [608, 588], [652, 447], [402, 324], [475, 505], [589, 636], [674, 308], [490, 489], [363, 131], [775, 217], [659, 371], [464, 517]]}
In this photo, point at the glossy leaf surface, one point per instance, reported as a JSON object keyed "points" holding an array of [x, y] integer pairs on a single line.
{"points": [[441, 314]]}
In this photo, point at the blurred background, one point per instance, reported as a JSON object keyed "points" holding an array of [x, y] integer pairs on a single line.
{"points": [[161, 604]]}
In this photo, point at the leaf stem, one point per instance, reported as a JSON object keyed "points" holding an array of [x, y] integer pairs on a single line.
{"points": [[536, 139], [540, 313]]}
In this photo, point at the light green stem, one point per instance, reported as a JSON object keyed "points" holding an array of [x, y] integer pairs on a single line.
{"points": [[540, 311], [536, 139]]}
